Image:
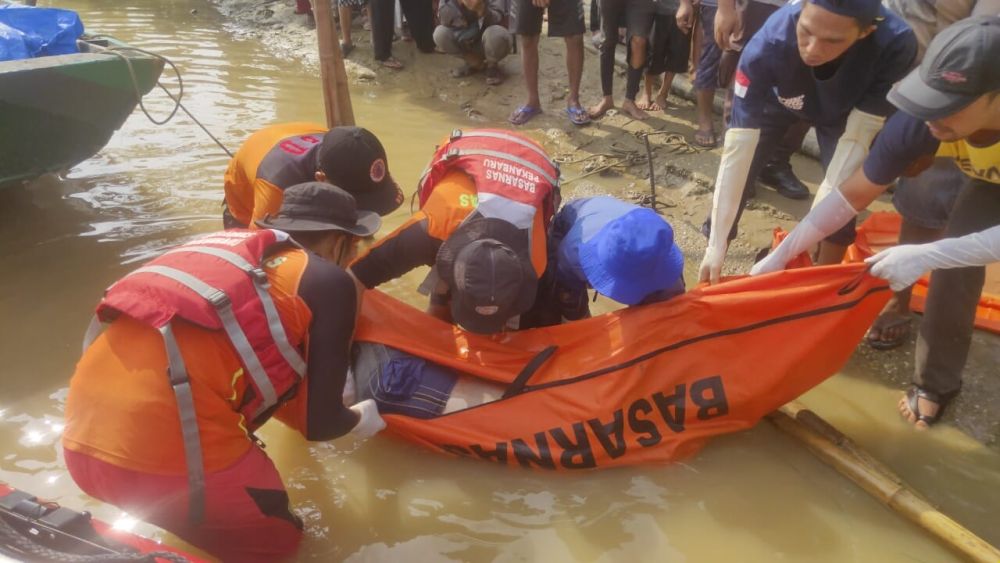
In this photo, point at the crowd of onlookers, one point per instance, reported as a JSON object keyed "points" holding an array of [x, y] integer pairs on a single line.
{"points": [[660, 37]]}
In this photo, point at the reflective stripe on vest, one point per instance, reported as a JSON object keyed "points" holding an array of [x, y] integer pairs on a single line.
{"points": [[234, 331], [181, 385]]}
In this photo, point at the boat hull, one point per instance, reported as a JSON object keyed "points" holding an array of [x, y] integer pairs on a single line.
{"points": [[59, 111]]}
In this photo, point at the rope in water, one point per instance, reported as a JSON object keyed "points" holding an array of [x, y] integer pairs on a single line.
{"points": [[119, 51]]}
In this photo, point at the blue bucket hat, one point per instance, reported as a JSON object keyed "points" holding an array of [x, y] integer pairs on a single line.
{"points": [[632, 256]]}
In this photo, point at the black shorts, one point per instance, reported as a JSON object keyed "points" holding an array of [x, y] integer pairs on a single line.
{"points": [[637, 15], [565, 18], [670, 48]]}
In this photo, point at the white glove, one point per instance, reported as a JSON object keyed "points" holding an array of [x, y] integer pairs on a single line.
{"points": [[851, 151], [903, 265], [711, 264], [369, 423], [350, 393], [737, 154], [833, 213]]}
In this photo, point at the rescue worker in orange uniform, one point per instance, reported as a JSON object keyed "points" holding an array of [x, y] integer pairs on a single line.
{"points": [[283, 155], [205, 344], [485, 205]]}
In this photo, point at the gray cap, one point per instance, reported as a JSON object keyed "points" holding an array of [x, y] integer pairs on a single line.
{"points": [[315, 206], [960, 66]]}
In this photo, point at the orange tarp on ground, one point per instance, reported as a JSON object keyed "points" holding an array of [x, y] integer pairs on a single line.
{"points": [[647, 384], [881, 230]]}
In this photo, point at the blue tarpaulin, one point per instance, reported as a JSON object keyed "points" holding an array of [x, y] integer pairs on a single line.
{"points": [[27, 31]]}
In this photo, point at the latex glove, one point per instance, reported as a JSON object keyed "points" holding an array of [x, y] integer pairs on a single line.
{"points": [[350, 392], [734, 167], [711, 265], [369, 423], [851, 151], [903, 265], [831, 214]]}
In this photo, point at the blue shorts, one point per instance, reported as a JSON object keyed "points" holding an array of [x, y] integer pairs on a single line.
{"points": [[400, 383], [707, 74]]}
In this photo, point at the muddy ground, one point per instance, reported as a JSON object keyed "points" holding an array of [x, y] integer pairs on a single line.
{"points": [[609, 156]]}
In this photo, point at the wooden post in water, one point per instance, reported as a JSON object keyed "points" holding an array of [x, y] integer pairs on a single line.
{"points": [[336, 94], [840, 452]]}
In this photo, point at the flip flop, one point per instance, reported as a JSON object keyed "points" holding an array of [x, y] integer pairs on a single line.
{"points": [[883, 344], [914, 393], [523, 115], [700, 142], [577, 115], [392, 63]]}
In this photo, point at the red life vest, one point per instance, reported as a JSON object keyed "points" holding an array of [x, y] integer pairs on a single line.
{"points": [[514, 176], [215, 281]]}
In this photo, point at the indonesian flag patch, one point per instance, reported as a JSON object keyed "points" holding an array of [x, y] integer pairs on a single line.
{"points": [[742, 84]]}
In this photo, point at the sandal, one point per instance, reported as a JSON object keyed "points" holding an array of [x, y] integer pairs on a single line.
{"points": [[577, 115], [494, 76], [523, 115], [346, 48], [914, 394], [392, 62], [878, 343], [705, 139]]}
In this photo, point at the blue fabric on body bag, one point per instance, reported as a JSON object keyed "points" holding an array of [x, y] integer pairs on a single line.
{"points": [[27, 32], [412, 386]]}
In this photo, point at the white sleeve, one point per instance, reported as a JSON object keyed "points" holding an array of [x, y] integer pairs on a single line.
{"points": [[852, 148], [903, 265], [824, 220], [737, 155]]}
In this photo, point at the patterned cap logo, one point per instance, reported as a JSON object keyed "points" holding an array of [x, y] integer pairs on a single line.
{"points": [[953, 76], [377, 171]]}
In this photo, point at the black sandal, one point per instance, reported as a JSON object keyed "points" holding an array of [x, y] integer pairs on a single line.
{"points": [[914, 394]]}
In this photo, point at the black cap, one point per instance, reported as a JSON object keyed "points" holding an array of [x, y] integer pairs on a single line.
{"points": [[315, 206], [354, 159], [486, 264], [960, 66]]}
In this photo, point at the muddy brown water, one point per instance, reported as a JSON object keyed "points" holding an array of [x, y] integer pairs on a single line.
{"points": [[754, 496]]}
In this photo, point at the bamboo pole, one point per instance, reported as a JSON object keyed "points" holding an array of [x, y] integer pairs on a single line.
{"points": [[840, 452], [336, 94]]}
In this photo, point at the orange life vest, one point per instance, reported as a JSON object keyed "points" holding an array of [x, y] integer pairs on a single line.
{"points": [[215, 282], [515, 178]]}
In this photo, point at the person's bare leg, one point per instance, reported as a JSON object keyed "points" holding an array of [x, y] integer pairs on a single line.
{"points": [[830, 253], [637, 45], [661, 95], [529, 62], [645, 99], [893, 323], [574, 68], [705, 135], [345, 24]]}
